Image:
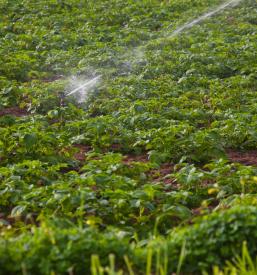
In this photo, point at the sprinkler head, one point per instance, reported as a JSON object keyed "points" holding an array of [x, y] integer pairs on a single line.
{"points": [[61, 97]]}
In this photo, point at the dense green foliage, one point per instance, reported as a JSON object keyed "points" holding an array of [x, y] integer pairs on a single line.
{"points": [[153, 137], [62, 246]]}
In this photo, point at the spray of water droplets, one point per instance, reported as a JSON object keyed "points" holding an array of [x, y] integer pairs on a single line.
{"points": [[80, 88]]}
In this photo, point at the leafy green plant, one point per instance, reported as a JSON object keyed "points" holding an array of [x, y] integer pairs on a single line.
{"points": [[163, 150]]}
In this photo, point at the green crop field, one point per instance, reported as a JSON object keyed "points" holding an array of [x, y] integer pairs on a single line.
{"points": [[128, 137]]}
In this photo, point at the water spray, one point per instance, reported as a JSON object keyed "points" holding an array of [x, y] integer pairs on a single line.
{"points": [[87, 84], [81, 90], [207, 15]]}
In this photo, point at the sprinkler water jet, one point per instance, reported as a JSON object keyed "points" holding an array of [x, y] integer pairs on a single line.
{"points": [[87, 84]]}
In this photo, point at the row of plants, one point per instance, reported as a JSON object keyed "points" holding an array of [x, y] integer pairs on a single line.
{"points": [[140, 170]]}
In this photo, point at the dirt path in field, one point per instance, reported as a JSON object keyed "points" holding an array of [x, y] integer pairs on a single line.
{"points": [[246, 158], [15, 111], [160, 174]]}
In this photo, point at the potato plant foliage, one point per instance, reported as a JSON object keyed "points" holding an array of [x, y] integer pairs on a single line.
{"points": [[146, 160]]}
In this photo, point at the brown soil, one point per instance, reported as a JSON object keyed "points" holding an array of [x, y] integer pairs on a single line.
{"points": [[201, 210], [135, 158], [15, 111], [116, 147], [65, 170], [246, 158], [158, 175], [53, 78], [8, 220], [81, 154]]}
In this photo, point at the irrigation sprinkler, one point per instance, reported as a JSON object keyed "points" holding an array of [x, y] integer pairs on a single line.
{"points": [[82, 89], [87, 84]]}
